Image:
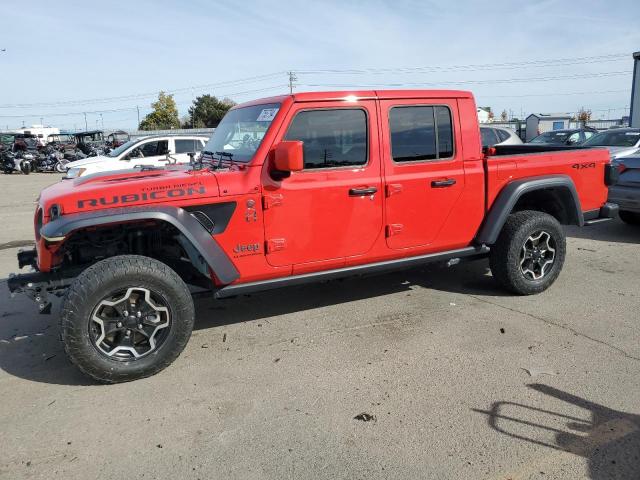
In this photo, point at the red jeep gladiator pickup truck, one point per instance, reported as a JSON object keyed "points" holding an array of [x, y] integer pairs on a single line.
{"points": [[295, 189]]}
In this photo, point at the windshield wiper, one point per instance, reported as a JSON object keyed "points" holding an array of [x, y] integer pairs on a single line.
{"points": [[223, 155], [215, 157]]}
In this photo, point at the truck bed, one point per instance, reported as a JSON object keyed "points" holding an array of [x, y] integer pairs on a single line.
{"points": [[585, 166]]}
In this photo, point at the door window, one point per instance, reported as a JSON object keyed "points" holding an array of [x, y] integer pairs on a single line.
{"points": [[573, 138], [420, 133], [331, 138], [488, 137], [186, 146], [153, 149], [502, 135]]}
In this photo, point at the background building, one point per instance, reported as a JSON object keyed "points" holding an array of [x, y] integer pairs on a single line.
{"points": [[538, 123]]}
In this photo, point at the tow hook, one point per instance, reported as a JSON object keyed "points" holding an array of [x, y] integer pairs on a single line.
{"points": [[39, 286]]}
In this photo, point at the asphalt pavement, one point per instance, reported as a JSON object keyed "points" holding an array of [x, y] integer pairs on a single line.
{"points": [[429, 373]]}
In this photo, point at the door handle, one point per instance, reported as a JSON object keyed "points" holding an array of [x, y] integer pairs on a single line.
{"points": [[443, 183], [361, 192]]}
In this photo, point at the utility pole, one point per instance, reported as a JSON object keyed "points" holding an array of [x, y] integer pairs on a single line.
{"points": [[292, 78], [86, 127], [41, 121], [102, 121], [138, 109]]}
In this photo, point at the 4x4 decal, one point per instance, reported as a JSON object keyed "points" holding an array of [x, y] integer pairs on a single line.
{"points": [[580, 166]]}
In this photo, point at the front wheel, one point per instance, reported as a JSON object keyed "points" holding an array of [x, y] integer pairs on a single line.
{"points": [[529, 253], [125, 318], [60, 168]]}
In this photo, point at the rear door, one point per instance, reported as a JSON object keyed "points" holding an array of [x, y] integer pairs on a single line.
{"points": [[423, 170], [333, 208], [183, 146]]}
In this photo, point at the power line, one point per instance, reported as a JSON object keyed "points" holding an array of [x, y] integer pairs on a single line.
{"points": [[374, 71], [136, 108], [474, 67], [602, 92], [142, 95], [470, 82]]}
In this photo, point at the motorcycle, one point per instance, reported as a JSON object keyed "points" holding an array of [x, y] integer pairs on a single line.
{"points": [[51, 160], [17, 162]]}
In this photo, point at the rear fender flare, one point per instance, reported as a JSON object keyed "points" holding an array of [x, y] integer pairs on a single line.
{"points": [[192, 230], [513, 191]]}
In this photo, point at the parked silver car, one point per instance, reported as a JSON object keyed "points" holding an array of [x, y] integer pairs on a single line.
{"points": [[626, 192], [492, 136], [621, 142], [568, 136]]}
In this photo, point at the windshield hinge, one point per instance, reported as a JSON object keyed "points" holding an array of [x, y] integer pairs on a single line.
{"points": [[272, 200]]}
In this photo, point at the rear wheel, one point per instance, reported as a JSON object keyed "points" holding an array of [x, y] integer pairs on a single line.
{"points": [[529, 253], [632, 218], [125, 318]]}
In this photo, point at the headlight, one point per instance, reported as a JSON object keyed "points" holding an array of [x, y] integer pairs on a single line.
{"points": [[75, 172]]}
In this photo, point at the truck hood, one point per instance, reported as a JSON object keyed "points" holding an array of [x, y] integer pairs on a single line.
{"points": [[126, 188], [89, 161]]}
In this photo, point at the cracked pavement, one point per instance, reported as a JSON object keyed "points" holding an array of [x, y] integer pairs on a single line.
{"points": [[462, 380]]}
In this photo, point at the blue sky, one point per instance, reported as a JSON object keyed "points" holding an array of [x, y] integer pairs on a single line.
{"points": [[66, 56]]}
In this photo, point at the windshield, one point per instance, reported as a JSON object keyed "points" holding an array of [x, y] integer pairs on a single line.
{"points": [[7, 139], [552, 137], [117, 151], [241, 131], [614, 138]]}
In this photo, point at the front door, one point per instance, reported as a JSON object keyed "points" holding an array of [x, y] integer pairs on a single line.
{"points": [[423, 170], [333, 208], [152, 152]]}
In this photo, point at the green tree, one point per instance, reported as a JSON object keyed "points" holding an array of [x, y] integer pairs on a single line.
{"points": [[207, 111], [164, 115]]}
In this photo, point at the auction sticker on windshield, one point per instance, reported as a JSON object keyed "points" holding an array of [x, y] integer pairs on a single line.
{"points": [[267, 114]]}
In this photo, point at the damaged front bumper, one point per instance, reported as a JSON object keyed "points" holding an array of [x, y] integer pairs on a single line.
{"points": [[38, 286]]}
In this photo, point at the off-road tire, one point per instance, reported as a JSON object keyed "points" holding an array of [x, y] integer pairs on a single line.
{"points": [[631, 218], [113, 274], [505, 257]]}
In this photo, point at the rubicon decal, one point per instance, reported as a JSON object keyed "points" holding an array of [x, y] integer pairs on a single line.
{"points": [[143, 196]]}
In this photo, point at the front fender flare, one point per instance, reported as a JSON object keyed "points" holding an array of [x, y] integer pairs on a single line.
{"points": [[193, 231], [509, 196]]}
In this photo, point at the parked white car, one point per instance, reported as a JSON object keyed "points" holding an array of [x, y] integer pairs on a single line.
{"points": [[492, 136], [142, 151]]}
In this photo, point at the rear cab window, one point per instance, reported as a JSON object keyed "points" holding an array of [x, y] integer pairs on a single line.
{"points": [[421, 133]]}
